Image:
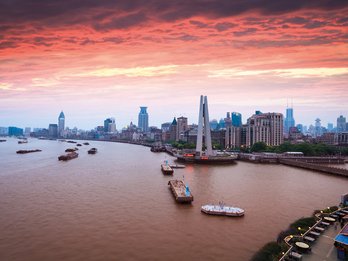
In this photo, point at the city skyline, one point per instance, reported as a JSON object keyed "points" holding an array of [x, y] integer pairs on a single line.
{"points": [[106, 59]]}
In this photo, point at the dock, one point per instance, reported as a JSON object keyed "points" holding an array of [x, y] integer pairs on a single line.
{"points": [[180, 191], [177, 166]]}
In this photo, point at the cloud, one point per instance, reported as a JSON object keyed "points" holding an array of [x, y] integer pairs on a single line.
{"points": [[224, 26], [151, 71], [244, 32], [284, 73], [68, 12], [122, 22]]}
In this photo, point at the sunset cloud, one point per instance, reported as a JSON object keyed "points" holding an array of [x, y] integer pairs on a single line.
{"points": [[54, 51]]}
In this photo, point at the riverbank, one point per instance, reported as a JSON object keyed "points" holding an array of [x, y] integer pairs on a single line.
{"points": [[306, 230]]}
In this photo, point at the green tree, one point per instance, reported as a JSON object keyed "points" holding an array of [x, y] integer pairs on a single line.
{"points": [[258, 147]]}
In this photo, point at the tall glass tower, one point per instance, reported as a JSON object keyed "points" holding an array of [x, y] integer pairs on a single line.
{"points": [[143, 119], [61, 124], [289, 120], [236, 119]]}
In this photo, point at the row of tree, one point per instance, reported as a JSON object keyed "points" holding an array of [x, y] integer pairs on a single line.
{"points": [[308, 149]]}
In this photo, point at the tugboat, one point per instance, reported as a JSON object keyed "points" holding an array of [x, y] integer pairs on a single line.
{"points": [[222, 210], [166, 169], [69, 156], [92, 151]]}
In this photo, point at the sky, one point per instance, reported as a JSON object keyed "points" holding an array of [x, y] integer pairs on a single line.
{"points": [[98, 59]]}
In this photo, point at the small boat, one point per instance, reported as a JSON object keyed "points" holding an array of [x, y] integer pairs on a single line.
{"points": [[92, 151], [71, 149], [71, 141], [166, 169], [222, 210], [22, 141], [69, 156], [79, 145], [85, 143], [2, 140]]}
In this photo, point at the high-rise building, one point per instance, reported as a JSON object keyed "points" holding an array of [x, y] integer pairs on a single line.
{"points": [[182, 128], [14, 131], [236, 119], [317, 129], [300, 128], [110, 125], [265, 127], [27, 131], [61, 124], [3, 131], [53, 130], [289, 120], [173, 130], [341, 124], [143, 119], [330, 127]]}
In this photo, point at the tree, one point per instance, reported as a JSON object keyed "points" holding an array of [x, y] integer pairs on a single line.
{"points": [[258, 147]]}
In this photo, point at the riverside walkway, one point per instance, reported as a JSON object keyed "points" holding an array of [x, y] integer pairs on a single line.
{"points": [[315, 167]]}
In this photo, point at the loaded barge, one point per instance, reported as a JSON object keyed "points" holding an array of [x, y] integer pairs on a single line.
{"points": [[180, 191], [69, 156], [166, 169]]}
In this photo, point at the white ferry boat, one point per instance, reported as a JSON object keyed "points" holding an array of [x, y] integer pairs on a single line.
{"points": [[222, 210]]}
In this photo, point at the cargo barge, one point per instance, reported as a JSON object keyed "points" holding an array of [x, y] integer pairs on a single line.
{"points": [[180, 191], [69, 156]]}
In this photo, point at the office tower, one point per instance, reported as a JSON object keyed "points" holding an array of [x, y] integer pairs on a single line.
{"points": [[182, 128], [236, 119], [341, 124], [317, 128], [203, 128], [173, 130], [110, 125], [106, 124], [14, 131], [3, 131], [265, 127], [214, 125], [330, 127], [61, 124], [53, 130], [143, 119], [289, 120], [27, 131], [300, 128]]}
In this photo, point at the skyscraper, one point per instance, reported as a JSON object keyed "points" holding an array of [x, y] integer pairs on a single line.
{"points": [[143, 119], [341, 124], [110, 125], [53, 130], [265, 127], [182, 127], [61, 124], [289, 120], [236, 119]]}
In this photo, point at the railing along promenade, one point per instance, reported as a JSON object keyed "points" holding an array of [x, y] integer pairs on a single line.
{"points": [[315, 167], [320, 217]]}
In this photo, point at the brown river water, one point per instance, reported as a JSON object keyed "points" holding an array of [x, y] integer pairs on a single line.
{"points": [[116, 205]]}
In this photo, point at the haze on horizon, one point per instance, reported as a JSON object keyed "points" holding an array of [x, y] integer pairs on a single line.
{"points": [[99, 59]]}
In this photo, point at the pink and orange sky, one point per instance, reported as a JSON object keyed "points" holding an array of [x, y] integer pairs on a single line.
{"points": [[99, 59]]}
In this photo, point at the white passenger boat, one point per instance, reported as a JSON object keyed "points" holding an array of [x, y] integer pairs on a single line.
{"points": [[222, 210]]}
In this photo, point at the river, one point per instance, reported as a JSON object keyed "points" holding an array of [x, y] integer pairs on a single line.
{"points": [[116, 204]]}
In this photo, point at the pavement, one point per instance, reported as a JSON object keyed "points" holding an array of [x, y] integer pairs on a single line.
{"points": [[323, 248]]}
